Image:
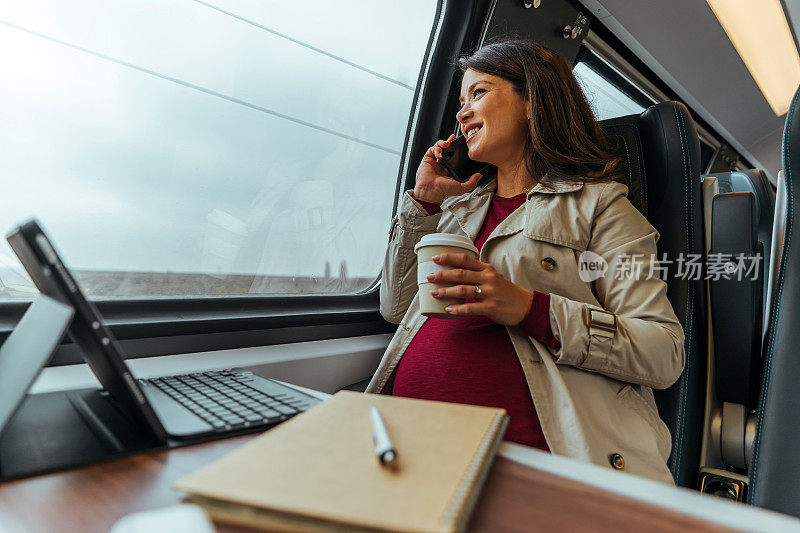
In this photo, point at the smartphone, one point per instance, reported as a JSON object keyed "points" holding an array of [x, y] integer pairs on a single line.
{"points": [[458, 163]]}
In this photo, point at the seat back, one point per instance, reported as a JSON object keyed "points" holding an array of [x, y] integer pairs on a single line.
{"points": [[776, 464], [736, 285], [754, 181], [660, 151]]}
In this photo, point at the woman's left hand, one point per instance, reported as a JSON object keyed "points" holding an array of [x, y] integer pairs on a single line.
{"points": [[499, 299]]}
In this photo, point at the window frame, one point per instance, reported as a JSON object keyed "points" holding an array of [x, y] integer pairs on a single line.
{"points": [[613, 77], [590, 56], [148, 327], [601, 43]]}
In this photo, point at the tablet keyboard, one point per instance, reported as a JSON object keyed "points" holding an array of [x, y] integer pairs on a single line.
{"points": [[228, 399]]}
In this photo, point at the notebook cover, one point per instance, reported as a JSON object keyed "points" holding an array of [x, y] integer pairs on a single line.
{"points": [[318, 471]]}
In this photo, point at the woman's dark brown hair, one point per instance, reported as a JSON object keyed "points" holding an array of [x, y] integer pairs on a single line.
{"points": [[566, 142]]}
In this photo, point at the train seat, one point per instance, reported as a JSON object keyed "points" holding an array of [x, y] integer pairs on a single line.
{"points": [[775, 466], [741, 215], [660, 152]]}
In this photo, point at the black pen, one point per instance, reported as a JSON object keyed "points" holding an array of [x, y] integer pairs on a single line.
{"points": [[384, 449]]}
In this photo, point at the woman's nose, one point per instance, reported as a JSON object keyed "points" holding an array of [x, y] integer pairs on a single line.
{"points": [[463, 113]]}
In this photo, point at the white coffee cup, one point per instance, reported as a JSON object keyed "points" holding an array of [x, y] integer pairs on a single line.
{"points": [[429, 246]]}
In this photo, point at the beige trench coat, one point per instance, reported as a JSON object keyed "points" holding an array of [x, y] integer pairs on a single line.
{"points": [[594, 395]]}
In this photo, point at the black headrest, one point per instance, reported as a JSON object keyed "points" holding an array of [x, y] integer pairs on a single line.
{"points": [[753, 181], [654, 145], [624, 141]]}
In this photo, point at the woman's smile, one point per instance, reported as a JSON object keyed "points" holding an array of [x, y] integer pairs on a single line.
{"points": [[489, 100], [472, 133]]}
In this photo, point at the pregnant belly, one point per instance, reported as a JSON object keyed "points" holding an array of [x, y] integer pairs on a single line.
{"points": [[470, 360]]}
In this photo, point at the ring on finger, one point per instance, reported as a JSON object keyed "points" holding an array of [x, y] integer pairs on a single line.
{"points": [[478, 291]]}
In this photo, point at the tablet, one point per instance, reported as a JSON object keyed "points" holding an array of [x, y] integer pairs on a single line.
{"points": [[27, 350], [98, 345]]}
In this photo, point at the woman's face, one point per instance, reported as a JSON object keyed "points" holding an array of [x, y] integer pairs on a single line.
{"points": [[493, 119]]}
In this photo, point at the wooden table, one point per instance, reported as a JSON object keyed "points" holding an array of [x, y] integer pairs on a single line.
{"points": [[516, 498]]}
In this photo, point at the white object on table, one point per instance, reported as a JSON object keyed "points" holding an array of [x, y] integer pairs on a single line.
{"points": [[184, 518]]}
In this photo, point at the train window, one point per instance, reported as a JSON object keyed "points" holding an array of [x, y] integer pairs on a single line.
{"points": [[706, 154], [209, 149], [606, 100]]}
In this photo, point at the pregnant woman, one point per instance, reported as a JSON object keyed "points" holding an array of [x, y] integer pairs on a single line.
{"points": [[571, 354]]}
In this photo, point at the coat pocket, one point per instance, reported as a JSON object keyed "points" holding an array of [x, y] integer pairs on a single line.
{"points": [[631, 397]]}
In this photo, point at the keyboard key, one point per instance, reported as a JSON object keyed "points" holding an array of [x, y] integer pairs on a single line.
{"points": [[227, 401], [293, 401]]}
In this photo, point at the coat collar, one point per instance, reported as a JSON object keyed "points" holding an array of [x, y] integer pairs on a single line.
{"points": [[470, 209], [556, 188], [541, 219], [490, 187], [482, 190]]}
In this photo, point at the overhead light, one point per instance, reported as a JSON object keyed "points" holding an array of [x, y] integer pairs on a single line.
{"points": [[760, 33]]}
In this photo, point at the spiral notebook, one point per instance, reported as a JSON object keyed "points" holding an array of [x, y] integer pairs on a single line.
{"points": [[318, 471]]}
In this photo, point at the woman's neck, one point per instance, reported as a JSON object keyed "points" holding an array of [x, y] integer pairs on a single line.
{"points": [[513, 179]]}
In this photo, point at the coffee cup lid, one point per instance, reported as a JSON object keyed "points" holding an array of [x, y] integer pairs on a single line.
{"points": [[446, 239]]}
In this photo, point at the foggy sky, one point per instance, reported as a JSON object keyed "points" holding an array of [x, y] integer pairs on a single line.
{"points": [[130, 171]]}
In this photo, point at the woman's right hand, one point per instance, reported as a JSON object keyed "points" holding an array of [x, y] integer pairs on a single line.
{"points": [[434, 183]]}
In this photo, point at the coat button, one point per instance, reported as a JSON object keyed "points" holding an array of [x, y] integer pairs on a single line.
{"points": [[617, 462], [548, 263]]}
